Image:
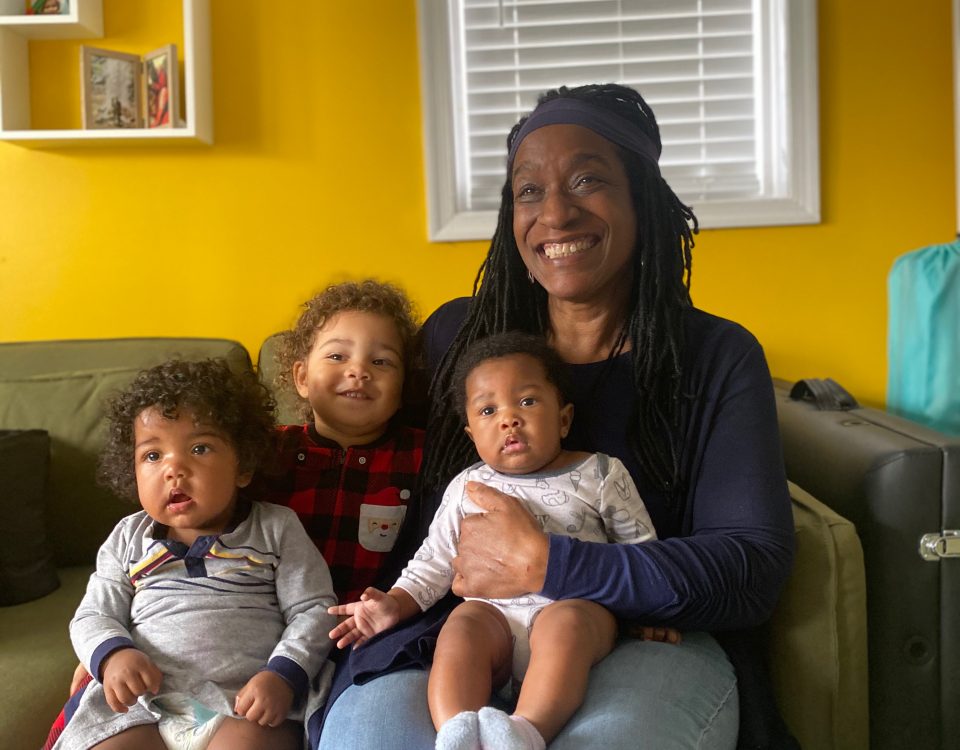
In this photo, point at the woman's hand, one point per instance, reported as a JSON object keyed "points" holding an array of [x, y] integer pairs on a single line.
{"points": [[503, 552], [652, 633]]}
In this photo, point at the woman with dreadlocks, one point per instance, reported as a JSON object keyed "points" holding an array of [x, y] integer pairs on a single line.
{"points": [[593, 250]]}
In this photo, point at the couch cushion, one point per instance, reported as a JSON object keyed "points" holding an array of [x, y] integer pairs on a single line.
{"points": [[26, 566], [289, 405], [37, 660], [819, 632], [28, 358], [70, 407], [61, 387]]}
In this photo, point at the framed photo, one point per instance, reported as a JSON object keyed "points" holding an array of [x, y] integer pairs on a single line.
{"points": [[161, 92], [111, 88], [48, 7]]}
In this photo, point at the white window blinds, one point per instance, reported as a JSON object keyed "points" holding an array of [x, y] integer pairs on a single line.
{"points": [[734, 118]]}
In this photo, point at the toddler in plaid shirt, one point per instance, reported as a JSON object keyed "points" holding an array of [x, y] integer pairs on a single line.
{"points": [[349, 472]]}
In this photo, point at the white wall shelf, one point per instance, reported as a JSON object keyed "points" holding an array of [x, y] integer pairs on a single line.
{"points": [[85, 21]]}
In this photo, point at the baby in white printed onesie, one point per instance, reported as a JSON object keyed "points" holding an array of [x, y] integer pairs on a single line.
{"points": [[593, 500]]}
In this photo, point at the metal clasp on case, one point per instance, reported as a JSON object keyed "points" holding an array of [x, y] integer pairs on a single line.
{"points": [[937, 546]]}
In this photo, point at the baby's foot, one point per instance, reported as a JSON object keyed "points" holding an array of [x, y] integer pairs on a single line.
{"points": [[498, 731], [459, 732]]}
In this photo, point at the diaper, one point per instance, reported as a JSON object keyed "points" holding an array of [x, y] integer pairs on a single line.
{"points": [[185, 724], [520, 614]]}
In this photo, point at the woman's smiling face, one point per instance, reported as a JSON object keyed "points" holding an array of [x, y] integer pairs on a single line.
{"points": [[573, 214]]}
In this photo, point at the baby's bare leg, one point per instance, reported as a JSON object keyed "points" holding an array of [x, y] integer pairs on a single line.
{"points": [[473, 655], [239, 734], [567, 639], [143, 737]]}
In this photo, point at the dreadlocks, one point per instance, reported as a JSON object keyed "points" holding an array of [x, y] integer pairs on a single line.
{"points": [[504, 300]]}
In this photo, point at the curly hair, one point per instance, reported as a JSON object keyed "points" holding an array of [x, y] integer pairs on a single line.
{"points": [[368, 296], [503, 300], [234, 402], [502, 345]]}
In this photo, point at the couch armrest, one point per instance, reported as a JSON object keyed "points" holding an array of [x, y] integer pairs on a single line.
{"points": [[818, 644]]}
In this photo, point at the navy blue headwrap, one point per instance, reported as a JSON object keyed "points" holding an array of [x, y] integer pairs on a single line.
{"points": [[568, 111]]}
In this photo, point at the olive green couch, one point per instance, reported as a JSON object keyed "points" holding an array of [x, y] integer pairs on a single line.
{"points": [[817, 646]]}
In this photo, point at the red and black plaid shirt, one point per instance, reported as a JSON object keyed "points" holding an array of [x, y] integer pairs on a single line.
{"points": [[326, 486]]}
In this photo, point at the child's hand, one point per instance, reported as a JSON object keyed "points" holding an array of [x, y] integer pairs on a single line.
{"points": [[374, 613], [265, 699], [128, 674]]}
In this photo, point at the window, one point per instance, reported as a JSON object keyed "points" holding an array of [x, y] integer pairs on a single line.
{"points": [[732, 82]]}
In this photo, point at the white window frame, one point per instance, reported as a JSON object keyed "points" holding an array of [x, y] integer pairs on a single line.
{"points": [[790, 37]]}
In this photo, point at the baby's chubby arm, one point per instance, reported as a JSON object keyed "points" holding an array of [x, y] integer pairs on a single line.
{"points": [[375, 612], [100, 628], [304, 592]]}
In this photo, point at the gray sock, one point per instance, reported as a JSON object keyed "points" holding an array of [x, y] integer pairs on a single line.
{"points": [[499, 731], [459, 732]]}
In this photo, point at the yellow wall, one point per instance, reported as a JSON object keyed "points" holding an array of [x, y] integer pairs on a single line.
{"points": [[316, 175]]}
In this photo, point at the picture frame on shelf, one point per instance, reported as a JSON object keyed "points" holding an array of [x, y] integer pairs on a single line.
{"points": [[161, 92], [47, 7], [110, 92], [85, 25]]}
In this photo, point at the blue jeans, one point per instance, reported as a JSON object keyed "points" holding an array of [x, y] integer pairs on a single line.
{"points": [[643, 695]]}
